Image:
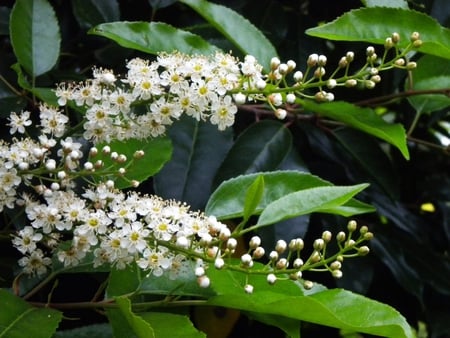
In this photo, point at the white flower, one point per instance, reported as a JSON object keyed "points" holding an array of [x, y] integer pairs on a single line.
{"points": [[35, 263], [26, 240], [19, 122], [223, 112]]}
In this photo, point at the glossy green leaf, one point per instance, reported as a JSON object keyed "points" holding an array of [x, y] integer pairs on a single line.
{"points": [[227, 200], [432, 73], [386, 3], [367, 152], [237, 29], [19, 319], [35, 35], [89, 331], [261, 147], [182, 283], [123, 281], [253, 196], [364, 119], [90, 12], [172, 325], [153, 37], [157, 152], [138, 326], [320, 199], [364, 24], [336, 308], [199, 149]]}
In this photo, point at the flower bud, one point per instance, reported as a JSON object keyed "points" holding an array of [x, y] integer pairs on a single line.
{"points": [[290, 98], [199, 271], [121, 158], [326, 236], [415, 36], [308, 285], [296, 244], [364, 250], [336, 273], [411, 65], [368, 236], [255, 241], [417, 43], [274, 63], [369, 84], [273, 255], [375, 78], [282, 264], [258, 252], [400, 62], [388, 43], [351, 83], [219, 263], [138, 154], [322, 61], [370, 51], [312, 60], [93, 151], [106, 150], [248, 288], [315, 257], [203, 281], [276, 99], [298, 262], [364, 229], [261, 84], [319, 72], [240, 98], [340, 237], [280, 113], [281, 246], [351, 225], [319, 244], [50, 164], [350, 56], [331, 83], [232, 243], [350, 243], [395, 37], [283, 69], [271, 278], [336, 265], [343, 62], [298, 76], [247, 260], [291, 65], [182, 242]]}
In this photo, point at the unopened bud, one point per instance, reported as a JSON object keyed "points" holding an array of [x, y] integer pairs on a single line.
{"points": [[336, 265], [280, 113], [411, 65], [336, 273], [274, 63], [203, 281], [308, 285], [258, 252], [319, 244], [240, 98], [319, 72], [296, 244], [248, 288], [298, 262], [395, 37], [388, 43], [255, 241], [351, 225], [415, 36], [312, 60], [138, 154], [326, 236], [281, 246], [364, 250], [369, 84], [417, 43], [400, 62], [271, 278], [298, 76], [351, 83], [340, 237]]}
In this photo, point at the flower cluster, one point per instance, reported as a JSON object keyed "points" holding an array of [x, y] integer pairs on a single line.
{"points": [[75, 213], [107, 226]]}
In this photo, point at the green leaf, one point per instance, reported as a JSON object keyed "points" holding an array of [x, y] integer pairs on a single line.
{"points": [[199, 148], [35, 35], [90, 12], [182, 283], [367, 152], [432, 73], [320, 199], [364, 24], [364, 119], [18, 319], [172, 325], [157, 152], [89, 331], [238, 30], [336, 308], [386, 3], [123, 281], [261, 147], [153, 37], [227, 200], [253, 196], [129, 320]]}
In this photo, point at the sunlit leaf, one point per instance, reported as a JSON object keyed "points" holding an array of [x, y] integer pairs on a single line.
{"points": [[320, 199], [19, 319], [228, 199], [153, 37], [237, 29], [364, 119], [364, 24]]}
